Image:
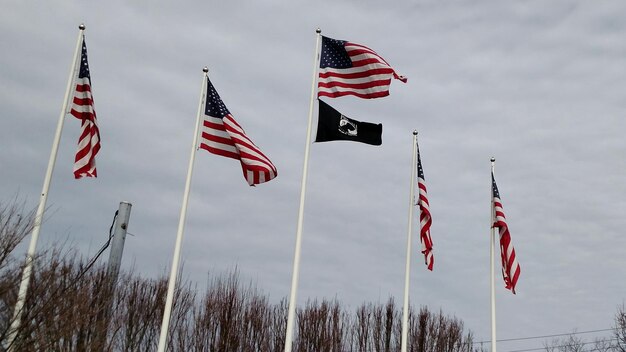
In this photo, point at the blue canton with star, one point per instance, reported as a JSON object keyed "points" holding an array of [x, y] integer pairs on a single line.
{"points": [[214, 105], [334, 54], [84, 67], [420, 170], [495, 188]]}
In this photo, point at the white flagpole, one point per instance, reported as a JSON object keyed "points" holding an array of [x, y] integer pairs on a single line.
{"points": [[492, 267], [26, 274], [407, 271], [181, 223], [296, 259]]}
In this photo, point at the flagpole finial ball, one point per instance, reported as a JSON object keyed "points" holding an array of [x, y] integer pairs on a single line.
{"points": [[205, 69], [415, 132], [81, 26], [493, 159], [318, 31]]}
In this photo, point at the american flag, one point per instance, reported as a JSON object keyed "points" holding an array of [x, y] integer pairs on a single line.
{"points": [[83, 109], [351, 69], [425, 219], [510, 266], [222, 135]]}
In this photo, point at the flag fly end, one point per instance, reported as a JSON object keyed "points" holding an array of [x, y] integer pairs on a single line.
{"points": [[347, 68], [222, 135]]}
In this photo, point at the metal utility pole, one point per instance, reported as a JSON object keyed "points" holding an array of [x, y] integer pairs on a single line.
{"points": [[107, 294], [117, 242]]}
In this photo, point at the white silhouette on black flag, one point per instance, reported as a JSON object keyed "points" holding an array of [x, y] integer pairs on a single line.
{"points": [[334, 126]]}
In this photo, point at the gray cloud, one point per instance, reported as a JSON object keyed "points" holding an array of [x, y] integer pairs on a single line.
{"points": [[539, 86]]}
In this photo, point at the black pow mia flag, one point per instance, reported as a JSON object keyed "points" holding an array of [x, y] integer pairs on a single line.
{"points": [[333, 126]]}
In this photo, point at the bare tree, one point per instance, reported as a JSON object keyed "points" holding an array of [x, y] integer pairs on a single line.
{"points": [[15, 225], [362, 327], [321, 327], [573, 343], [603, 345], [278, 325], [620, 329], [383, 320], [74, 306]]}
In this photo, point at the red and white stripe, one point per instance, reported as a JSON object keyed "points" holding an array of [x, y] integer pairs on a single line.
{"points": [[370, 76], [225, 137], [89, 140], [510, 267], [425, 222]]}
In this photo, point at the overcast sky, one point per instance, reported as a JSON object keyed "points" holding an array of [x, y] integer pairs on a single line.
{"points": [[538, 85]]}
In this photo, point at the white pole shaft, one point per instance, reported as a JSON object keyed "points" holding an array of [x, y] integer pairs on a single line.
{"points": [[296, 259], [407, 271], [26, 274], [181, 227], [492, 270]]}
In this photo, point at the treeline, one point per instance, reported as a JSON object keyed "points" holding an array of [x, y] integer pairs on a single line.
{"points": [[72, 307], [616, 342]]}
